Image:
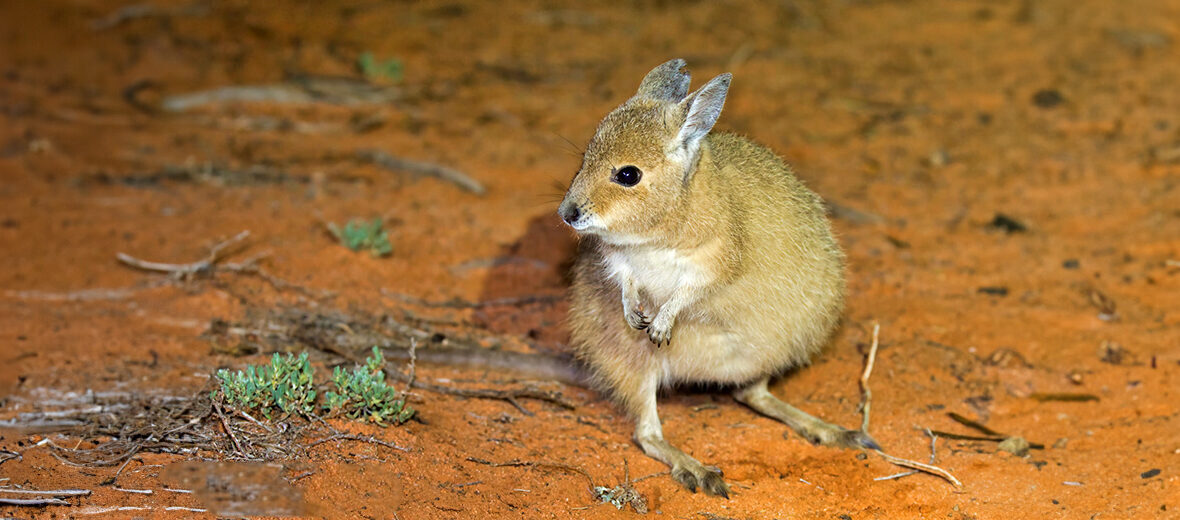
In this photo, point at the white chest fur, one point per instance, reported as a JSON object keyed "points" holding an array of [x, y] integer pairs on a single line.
{"points": [[659, 272]]}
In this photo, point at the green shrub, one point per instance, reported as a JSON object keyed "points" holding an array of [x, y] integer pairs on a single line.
{"points": [[359, 235], [390, 70], [285, 384], [363, 395]]}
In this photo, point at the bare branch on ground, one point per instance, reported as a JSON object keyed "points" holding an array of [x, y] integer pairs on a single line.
{"points": [[358, 438], [48, 492], [533, 464], [456, 303], [212, 264], [866, 401], [303, 90], [132, 12], [866, 393], [415, 167], [33, 502]]}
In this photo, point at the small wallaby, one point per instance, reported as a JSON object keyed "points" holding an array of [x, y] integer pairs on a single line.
{"points": [[702, 259]]}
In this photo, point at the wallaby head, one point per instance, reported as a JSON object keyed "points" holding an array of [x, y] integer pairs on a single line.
{"points": [[639, 164]]}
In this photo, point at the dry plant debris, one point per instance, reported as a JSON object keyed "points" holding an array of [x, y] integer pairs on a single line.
{"points": [[213, 264], [866, 402]]}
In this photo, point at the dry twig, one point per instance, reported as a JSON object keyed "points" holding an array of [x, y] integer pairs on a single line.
{"points": [[33, 502], [933, 447], [531, 464], [867, 395], [212, 264], [926, 468], [400, 164], [138, 11], [350, 437], [456, 303], [48, 492], [228, 431], [298, 91]]}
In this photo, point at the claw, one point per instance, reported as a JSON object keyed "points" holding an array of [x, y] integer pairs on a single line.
{"points": [[714, 485], [859, 439], [637, 320], [708, 480]]}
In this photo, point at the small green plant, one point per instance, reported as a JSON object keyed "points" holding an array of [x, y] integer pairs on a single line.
{"points": [[390, 70], [359, 235], [285, 384], [363, 395]]}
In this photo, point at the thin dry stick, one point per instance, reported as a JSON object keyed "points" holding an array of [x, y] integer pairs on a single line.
{"points": [[866, 393], [401, 164], [866, 397], [212, 263], [50, 492], [927, 468], [457, 303], [229, 431], [933, 447], [35, 502], [532, 464], [185, 270], [349, 437], [413, 363]]}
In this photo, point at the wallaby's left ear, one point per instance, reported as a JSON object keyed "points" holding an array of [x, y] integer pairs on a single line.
{"points": [[702, 107]]}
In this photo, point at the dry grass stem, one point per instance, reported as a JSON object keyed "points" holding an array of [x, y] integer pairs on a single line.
{"points": [[401, 164], [866, 400], [925, 468], [866, 393], [48, 492]]}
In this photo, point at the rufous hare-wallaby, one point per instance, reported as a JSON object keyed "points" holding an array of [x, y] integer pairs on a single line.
{"points": [[702, 259]]}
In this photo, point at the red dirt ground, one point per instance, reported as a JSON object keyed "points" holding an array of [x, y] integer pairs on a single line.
{"points": [[933, 116]]}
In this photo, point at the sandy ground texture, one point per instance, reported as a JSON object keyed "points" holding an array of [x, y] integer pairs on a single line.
{"points": [[1006, 176]]}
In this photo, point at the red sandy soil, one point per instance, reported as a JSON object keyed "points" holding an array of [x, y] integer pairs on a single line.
{"points": [[932, 116]]}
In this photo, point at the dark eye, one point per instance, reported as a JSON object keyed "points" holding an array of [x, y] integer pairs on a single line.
{"points": [[627, 176]]}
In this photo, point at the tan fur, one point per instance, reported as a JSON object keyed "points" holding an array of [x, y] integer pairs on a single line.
{"points": [[731, 241]]}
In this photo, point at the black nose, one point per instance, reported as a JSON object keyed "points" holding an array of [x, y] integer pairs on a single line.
{"points": [[569, 213]]}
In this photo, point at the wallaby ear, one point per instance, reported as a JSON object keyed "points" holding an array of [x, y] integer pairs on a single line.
{"points": [[666, 82], [703, 107]]}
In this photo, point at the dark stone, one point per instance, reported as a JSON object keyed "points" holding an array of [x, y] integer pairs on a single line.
{"points": [[1007, 224], [1150, 473], [1072, 263], [995, 291], [1047, 98]]}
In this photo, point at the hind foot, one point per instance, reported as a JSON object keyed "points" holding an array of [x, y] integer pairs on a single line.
{"points": [[698, 476], [839, 437]]}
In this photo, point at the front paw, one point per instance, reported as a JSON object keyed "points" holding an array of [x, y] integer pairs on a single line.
{"points": [[660, 330], [636, 318]]}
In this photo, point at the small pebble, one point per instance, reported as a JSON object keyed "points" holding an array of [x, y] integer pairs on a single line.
{"points": [[1007, 224], [1047, 98], [1015, 445], [994, 290], [1072, 263], [1150, 473]]}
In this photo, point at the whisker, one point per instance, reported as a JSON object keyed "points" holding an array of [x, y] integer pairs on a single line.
{"points": [[576, 148]]}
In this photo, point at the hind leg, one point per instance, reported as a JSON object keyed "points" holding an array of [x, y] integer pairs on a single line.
{"points": [[649, 434], [814, 429]]}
